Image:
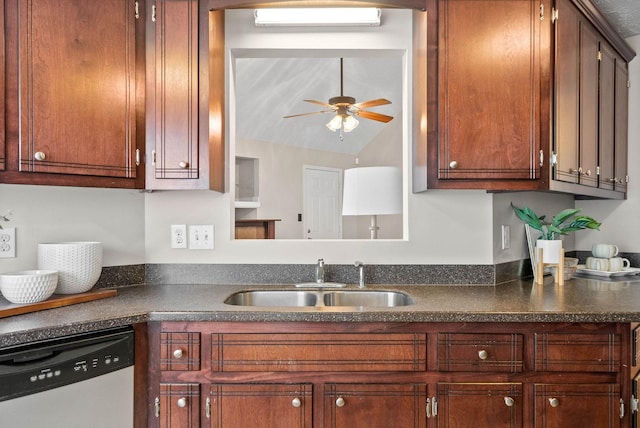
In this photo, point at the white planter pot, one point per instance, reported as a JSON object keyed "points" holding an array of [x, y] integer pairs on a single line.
{"points": [[551, 250]]}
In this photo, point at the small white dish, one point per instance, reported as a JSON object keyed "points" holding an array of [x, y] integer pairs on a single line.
{"points": [[582, 270]]}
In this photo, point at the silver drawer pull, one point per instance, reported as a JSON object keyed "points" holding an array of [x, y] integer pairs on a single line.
{"points": [[183, 165], [509, 401], [182, 402], [483, 355], [453, 164], [177, 353], [554, 402], [340, 402], [296, 402], [40, 156]]}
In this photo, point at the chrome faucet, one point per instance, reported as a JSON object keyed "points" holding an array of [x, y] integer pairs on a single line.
{"points": [[320, 271], [360, 267]]}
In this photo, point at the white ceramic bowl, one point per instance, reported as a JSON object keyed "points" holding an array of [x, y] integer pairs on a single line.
{"points": [[28, 286], [79, 264]]}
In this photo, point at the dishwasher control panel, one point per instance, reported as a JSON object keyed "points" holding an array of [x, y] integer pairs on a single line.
{"points": [[50, 364]]}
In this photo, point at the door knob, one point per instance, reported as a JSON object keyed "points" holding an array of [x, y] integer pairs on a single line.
{"points": [[340, 402]]}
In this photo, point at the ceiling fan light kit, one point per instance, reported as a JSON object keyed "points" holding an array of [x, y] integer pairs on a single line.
{"points": [[346, 108], [318, 17]]}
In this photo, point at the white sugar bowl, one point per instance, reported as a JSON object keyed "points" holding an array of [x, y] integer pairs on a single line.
{"points": [[28, 286], [79, 264]]}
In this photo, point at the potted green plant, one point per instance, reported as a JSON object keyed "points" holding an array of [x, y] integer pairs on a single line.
{"points": [[562, 223]]}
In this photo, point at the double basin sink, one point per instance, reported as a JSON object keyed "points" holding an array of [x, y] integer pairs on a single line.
{"points": [[320, 297]]}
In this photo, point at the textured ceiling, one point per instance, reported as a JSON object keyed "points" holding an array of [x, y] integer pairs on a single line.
{"points": [[623, 14]]}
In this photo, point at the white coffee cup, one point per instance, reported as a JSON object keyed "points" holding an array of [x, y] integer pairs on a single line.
{"points": [[617, 264], [597, 263], [604, 250]]}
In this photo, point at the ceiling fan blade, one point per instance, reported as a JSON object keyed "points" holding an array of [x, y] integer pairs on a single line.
{"points": [[373, 116], [320, 103], [308, 114], [372, 103]]}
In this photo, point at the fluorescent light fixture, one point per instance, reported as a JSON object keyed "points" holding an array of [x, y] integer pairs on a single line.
{"points": [[320, 16]]}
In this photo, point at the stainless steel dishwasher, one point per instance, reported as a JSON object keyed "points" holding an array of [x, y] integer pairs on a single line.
{"points": [[84, 380]]}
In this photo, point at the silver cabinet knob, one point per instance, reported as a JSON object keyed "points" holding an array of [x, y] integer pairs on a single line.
{"points": [[453, 164], [554, 402], [182, 402], [483, 355], [183, 165], [177, 353], [296, 402], [509, 401], [39, 156], [340, 402]]}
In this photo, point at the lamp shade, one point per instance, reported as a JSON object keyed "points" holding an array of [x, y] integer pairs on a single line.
{"points": [[375, 190]]}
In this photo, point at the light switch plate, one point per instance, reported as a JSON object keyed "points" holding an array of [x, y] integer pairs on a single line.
{"points": [[201, 237]]}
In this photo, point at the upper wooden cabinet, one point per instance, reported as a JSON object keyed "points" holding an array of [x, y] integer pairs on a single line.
{"points": [[591, 115], [521, 95], [74, 90], [491, 70], [181, 152]]}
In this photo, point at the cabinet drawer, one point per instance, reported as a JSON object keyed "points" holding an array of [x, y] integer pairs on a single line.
{"points": [[180, 351], [261, 405], [577, 352], [480, 352], [318, 352]]}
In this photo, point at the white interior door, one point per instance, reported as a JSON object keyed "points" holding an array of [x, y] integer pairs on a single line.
{"points": [[322, 216]]}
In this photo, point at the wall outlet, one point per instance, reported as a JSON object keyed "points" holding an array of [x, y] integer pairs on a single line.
{"points": [[201, 237], [178, 236], [506, 237], [8, 242]]}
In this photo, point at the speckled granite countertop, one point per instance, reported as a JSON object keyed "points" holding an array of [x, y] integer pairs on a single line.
{"points": [[579, 300]]}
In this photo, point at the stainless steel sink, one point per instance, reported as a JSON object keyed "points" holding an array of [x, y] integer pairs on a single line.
{"points": [[307, 298], [298, 298], [367, 298]]}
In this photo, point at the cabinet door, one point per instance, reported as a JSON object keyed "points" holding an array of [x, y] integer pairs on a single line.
{"points": [[173, 91], [3, 151], [375, 405], [261, 405], [496, 405], [178, 405], [583, 405], [77, 83], [607, 114], [621, 174], [490, 71], [576, 92]]}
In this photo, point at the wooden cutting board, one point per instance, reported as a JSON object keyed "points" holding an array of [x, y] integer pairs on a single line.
{"points": [[8, 309]]}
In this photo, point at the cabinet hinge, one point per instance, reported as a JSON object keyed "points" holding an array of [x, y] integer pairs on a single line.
{"points": [[137, 157], [153, 13], [634, 404], [156, 406], [628, 83], [597, 170], [554, 159], [621, 408], [153, 157], [136, 8], [554, 15], [541, 12], [626, 178], [432, 407], [599, 56], [541, 158]]}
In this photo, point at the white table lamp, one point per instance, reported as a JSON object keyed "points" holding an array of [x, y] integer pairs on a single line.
{"points": [[373, 191]]}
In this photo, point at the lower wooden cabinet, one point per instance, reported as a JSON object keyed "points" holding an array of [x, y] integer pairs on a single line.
{"points": [[390, 375]]}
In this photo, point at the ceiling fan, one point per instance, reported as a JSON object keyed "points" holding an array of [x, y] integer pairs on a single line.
{"points": [[346, 108]]}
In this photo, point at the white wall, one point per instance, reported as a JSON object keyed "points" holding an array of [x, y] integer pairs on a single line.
{"points": [[621, 219], [114, 217]]}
